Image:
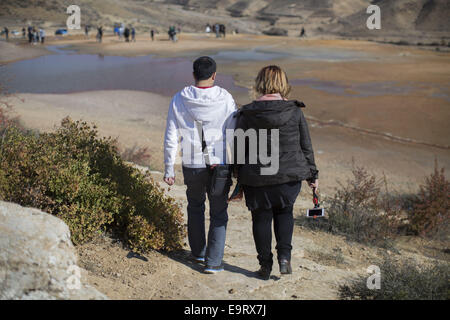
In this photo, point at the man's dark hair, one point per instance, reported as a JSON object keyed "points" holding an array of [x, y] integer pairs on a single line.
{"points": [[204, 67]]}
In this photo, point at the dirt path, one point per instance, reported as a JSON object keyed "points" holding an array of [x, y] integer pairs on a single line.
{"points": [[320, 261]]}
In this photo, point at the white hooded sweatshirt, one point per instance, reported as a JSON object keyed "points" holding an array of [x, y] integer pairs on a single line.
{"points": [[214, 109]]}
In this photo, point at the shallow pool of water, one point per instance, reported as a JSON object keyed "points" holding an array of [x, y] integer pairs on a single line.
{"points": [[65, 72], [305, 53]]}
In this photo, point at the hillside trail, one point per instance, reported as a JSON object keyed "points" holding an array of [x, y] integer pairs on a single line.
{"points": [[320, 262]]}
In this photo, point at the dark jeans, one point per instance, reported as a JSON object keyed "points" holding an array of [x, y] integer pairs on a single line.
{"points": [[262, 233], [197, 181]]}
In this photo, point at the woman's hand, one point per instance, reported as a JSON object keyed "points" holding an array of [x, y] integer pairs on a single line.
{"points": [[169, 180], [314, 184]]}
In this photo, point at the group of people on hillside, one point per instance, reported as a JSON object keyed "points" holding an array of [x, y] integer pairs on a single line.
{"points": [[219, 29], [128, 33], [204, 120], [173, 33], [35, 35]]}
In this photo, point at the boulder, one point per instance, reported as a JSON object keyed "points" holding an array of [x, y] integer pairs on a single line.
{"points": [[276, 32], [37, 258]]}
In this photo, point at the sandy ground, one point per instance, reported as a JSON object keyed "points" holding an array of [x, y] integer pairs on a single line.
{"points": [[343, 128], [321, 262], [10, 51], [135, 117]]}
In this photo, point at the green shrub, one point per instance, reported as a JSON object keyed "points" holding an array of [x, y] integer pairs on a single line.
{"points": [[81, 178], [405, 280], [431, 210]]}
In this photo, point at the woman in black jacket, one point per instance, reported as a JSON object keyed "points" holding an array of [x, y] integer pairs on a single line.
{"points": [[272, 196]]}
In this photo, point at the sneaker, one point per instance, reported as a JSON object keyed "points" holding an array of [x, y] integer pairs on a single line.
{"points": [[198, 259], [212, 270], [285, 267]]}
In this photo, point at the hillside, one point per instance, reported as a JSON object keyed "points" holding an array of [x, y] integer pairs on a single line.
{"points": [[405, 18], [402, 18]]}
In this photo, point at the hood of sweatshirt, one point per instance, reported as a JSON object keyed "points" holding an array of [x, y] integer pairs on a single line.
{"points": [[270, 114], [205, 105]]}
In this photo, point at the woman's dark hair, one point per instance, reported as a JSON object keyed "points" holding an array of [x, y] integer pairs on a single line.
{"points": [[204, 68]]}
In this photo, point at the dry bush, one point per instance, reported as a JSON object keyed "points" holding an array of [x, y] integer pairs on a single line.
{"points": [[361, 212], [430, 214], [136, 154], [402, 280]]}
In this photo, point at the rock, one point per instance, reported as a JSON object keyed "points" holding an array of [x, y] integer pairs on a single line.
{"points": [[276, 32], [37, 258]]}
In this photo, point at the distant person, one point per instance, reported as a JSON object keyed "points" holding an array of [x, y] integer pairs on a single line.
{"points": [[217, 30], [174, 37], [208, 28], [302, 33], [35, 36], [271, 198], [6, 31], [126, 34], [202, 107], [99, 34], [152, 34], [133, 34], [42, 35], [86, 31], [172, 34], [30, 34], [23, 33], [222, 30]]}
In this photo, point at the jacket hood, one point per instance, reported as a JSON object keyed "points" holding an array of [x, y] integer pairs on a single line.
{"points": [[270, 114], [205, 104]]}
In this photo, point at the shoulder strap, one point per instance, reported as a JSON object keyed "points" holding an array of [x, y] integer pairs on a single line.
{"points": [[199, 126]]}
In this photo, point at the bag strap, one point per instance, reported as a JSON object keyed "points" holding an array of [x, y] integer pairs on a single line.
{"points": [[199, 126]]}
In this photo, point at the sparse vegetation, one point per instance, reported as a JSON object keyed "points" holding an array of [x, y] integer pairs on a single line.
{"points": [[430, 214], [403, 280], [328, 258], [136, 154], [81, 178], [359, 211]]}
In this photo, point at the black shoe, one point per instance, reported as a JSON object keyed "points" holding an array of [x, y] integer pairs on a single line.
{"points": [[285, 267], [264, 272]]}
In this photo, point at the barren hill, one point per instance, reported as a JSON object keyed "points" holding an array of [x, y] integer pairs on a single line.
{"points": [[405, 18]]}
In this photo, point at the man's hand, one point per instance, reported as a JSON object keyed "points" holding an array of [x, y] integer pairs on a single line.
{"points": [[169, 180], [314, 184]]}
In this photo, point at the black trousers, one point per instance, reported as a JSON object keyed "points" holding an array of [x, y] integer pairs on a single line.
{"points": [[262, 233]]}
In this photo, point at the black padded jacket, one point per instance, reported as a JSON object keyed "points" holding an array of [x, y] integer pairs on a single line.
{"points": [[296, 156]]}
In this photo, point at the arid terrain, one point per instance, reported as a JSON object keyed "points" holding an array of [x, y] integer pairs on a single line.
{"points": [[383, 106], [411, 21]]}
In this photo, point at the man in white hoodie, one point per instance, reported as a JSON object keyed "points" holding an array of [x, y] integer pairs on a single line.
{"points": [[200, 115]]}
